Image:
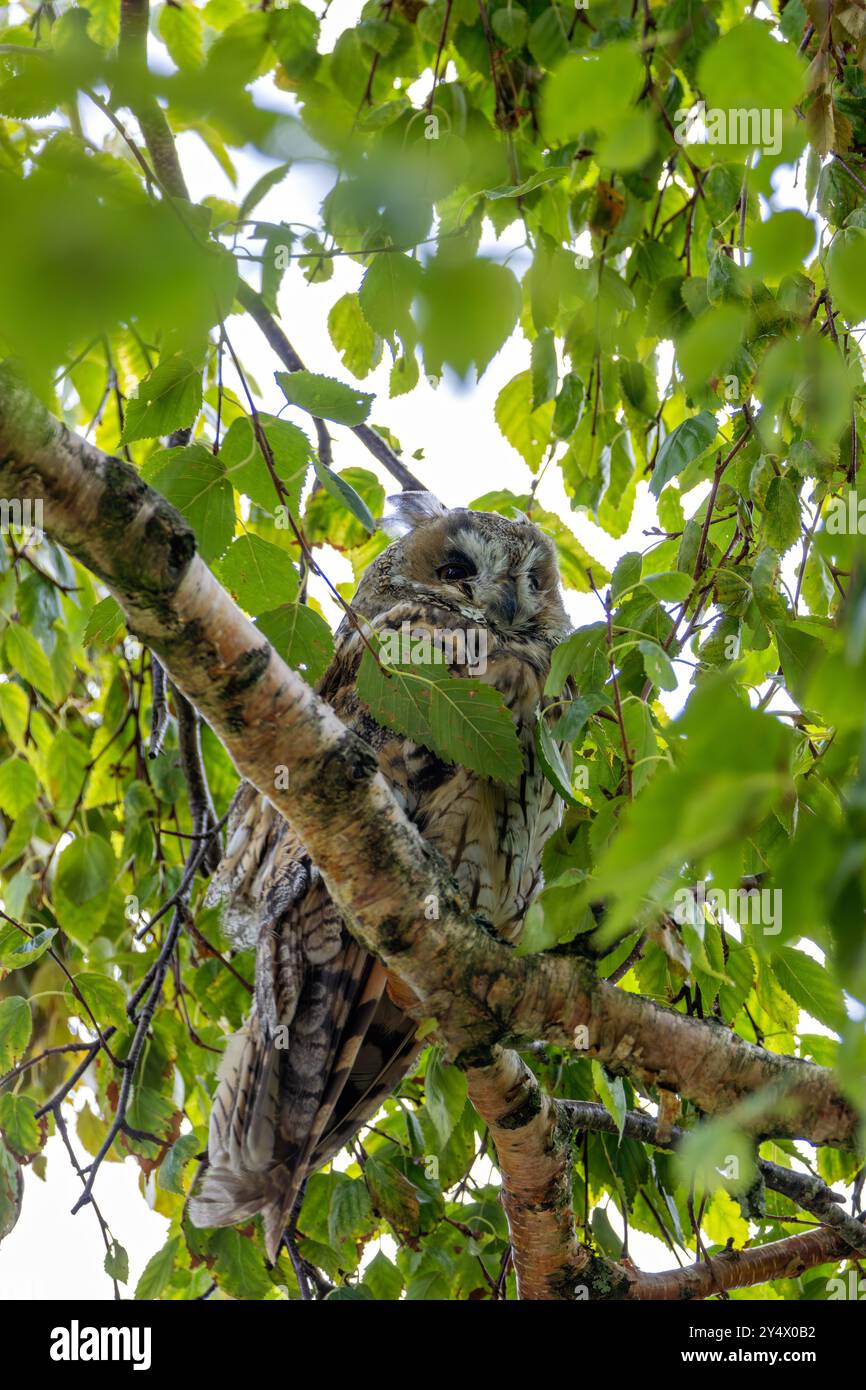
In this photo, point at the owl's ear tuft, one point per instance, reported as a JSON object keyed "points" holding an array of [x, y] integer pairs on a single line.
{"points": [[406, 510]]}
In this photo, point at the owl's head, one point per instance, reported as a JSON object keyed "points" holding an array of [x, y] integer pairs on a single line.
{"points": [[477, 565]]}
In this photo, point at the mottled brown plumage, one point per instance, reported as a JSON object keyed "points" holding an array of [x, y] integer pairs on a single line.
{"points": [[326, 1042]]}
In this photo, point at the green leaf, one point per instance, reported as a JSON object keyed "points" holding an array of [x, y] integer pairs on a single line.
{"points": [[552, 762], [24, 655], [544, 366], [687, 442], [19, 786], [466, 311], [811, 986], [510, 25], [386, 295], [170, 1175], [568, 405], [181, 28], [846, 273], [169, 398], [592, 90], [462, 720], [18, 951], [324, 397], [775, 72], [257, 574], [519, 190], [247, 470], [657, 665], [195, 481], [19, 1124], [343, 492], [359, 347], [105, 997], [782, 515], [116, 1263], [612, 1093], [262, 186], [349, 1209], [626, 574], [85, 872], [383, 1279], [301, 637], [157, 1272], [527, 430], [16, 1025], [781, 244], [106, 622], [671, 587], [294, 33], [11, 1191], [445, 1094]]}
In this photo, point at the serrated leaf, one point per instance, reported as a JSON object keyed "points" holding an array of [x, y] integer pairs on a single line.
{"points": [[105, 998], [26, 656], [324, 397], [16, 1026], [688, 441], [195, 481], [168, 399], [359, 347], [116, 1263], [552, 762], [257, 573], [462, 720], [811, 986], [19, 1125], [105, 623], [612, 1093], [445, 1094], [19, 786], [657, 665], [301, 637], [386, 295], [170, 1174], [17, 951], [343, 492], [157, 1272], [527, 430]]}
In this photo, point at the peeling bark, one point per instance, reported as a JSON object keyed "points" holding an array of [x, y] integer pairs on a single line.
{"points": [[533, 1147], [378, 867], [740, 1269]]}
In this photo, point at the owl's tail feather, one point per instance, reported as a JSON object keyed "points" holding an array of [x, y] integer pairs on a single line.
{"points": [[244, 1177], [229, 1198]]}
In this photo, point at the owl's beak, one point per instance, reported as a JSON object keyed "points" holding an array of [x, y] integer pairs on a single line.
{"points": [[506, 605]]}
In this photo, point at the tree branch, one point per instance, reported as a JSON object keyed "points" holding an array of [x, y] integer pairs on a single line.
{"points": [[532, 1136], [809, 1192], [378, 868], [377, 446], [740, 1269]]}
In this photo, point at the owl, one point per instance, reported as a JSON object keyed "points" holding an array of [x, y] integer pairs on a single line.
{"points": [[328, 1037]]}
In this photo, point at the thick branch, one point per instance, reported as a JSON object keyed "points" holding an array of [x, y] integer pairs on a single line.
{"points": [[533, 1148], [378, 867], [810, 1193], [740, 1269]]}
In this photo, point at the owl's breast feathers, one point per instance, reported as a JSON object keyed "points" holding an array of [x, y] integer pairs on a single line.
{"points": [[326, 1042]]}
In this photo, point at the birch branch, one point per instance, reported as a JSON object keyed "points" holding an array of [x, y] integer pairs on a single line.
{"points": [[376, 864]]}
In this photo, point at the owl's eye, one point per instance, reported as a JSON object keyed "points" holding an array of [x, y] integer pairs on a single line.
{"points": [[534, 582], [455, 570]]}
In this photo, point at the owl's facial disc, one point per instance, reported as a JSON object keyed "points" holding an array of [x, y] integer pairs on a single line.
{"points": [[505, 570]]}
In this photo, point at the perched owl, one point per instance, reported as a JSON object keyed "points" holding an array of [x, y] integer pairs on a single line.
{"points": [[326, 1040]]}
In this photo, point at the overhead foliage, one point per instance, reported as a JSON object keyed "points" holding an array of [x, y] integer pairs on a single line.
{"points": [[680, 328]]}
